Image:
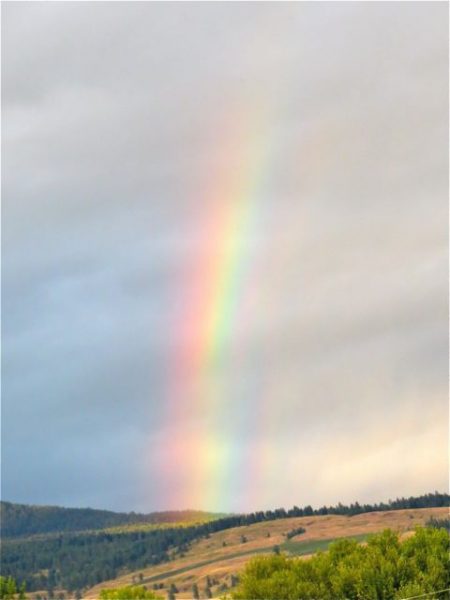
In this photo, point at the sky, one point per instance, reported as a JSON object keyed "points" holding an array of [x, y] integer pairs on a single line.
{"points": [[224, 253]]}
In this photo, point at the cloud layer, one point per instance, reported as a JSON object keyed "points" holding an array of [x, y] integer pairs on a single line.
{"points": [[123, 125]]}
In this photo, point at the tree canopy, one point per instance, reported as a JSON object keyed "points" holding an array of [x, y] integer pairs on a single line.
{"points": [[384, 569]]}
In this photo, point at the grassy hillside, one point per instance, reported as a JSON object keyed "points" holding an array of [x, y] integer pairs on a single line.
{"points": [[24, 520], [65, 549], [214, 562]]}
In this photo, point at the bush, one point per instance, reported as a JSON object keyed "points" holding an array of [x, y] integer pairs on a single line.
{"points": [[294, 532], [9, 590], [384, 569]]}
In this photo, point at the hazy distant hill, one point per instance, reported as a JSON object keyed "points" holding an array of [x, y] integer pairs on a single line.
{"points": [[24, 519]]}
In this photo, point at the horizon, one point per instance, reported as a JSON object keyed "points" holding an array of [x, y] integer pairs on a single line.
{"points": [[185, 510], [224, 253]]}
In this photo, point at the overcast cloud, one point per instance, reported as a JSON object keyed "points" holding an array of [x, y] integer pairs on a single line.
{"points": [[122, 124]]}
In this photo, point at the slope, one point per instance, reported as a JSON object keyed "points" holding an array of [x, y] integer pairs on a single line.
{"points": [[217, 559]]}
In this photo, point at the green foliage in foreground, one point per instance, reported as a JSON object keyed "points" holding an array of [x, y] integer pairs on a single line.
{"points": [[9, 590], [131, 592], [384, 569]]}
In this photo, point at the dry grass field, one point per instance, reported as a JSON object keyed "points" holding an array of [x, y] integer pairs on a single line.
{"points": [[223, 554]]}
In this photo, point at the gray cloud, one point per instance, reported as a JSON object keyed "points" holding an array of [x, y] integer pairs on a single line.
{"points": [[128, 129]]}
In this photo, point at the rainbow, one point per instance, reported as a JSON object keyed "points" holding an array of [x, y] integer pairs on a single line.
{"points": [[205, 460], [208, 333]]}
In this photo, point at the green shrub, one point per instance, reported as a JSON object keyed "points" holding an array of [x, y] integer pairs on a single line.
{"points": [[294, 532], [9, 590], [384, 569]]}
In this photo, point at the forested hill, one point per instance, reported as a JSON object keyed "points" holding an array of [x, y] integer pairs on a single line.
{"points": [[23, 519], [72, 560]]}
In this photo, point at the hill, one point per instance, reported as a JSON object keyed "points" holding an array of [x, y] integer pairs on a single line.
{"points": [[83, 555], [25, 520], [215, 562]]}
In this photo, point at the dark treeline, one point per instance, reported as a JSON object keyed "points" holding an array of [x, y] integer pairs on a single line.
{"points": [[74, 561], [23, 519], [295, 532], [426, 501]]}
